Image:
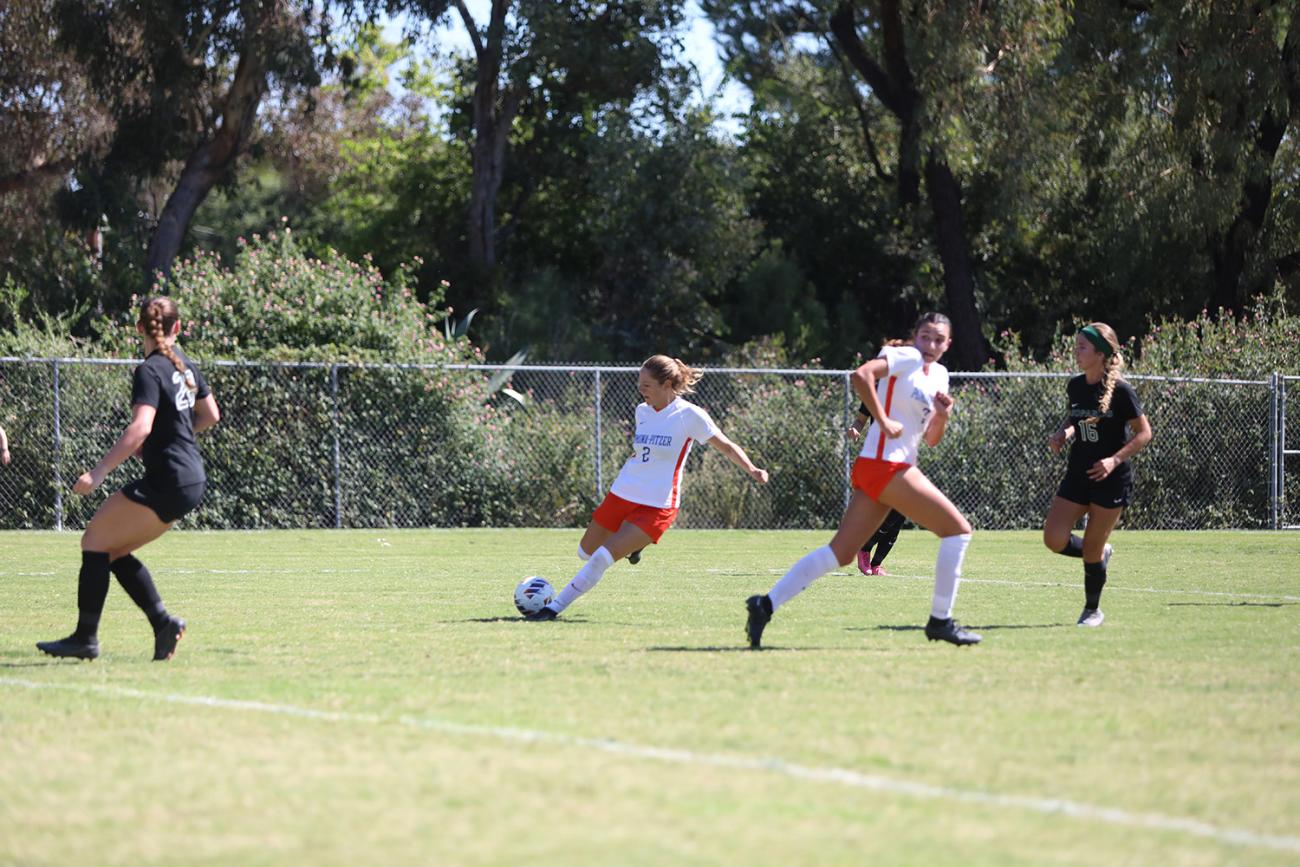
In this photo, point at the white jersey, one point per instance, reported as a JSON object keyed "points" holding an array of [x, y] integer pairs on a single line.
{"points": [[653, 475], [907, 394]]}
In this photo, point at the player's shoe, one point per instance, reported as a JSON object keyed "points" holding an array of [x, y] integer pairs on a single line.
{"points": [[635, 557], [950, 631], [864, 563], [1105, 555], [760, 612], [1092, 618], [878, 570], [547, 613], [72, 646], [165, 638]]}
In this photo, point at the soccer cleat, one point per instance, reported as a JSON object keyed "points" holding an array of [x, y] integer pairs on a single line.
{"points": [[547, 613], [71, 647], [864, 563], [1105, 556], [635, 557], [1091, 617], [760, 613], [950, 631], [165, 638], [878, 570]]}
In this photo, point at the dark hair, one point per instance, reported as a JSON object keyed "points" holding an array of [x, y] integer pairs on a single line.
{"points": [[672, 372], [932, 318], [159, 316]]}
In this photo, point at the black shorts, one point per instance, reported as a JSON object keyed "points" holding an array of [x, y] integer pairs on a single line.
{"points": [[1112, 492], [168, 503]]}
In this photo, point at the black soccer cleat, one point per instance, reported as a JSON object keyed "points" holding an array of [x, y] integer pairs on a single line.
{"points": [[950, 631], [72, 647], [635, 557], [760, 613], [166, 637], [547, 613]]}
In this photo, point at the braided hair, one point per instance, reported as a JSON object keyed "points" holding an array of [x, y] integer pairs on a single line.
{"points": [[672, 372], [159, 316], [1111, 369]]}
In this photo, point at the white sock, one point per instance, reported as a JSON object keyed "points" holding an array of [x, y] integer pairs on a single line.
{"points": [[810, 567], [947, 574], [583, 555], [588, 576]]}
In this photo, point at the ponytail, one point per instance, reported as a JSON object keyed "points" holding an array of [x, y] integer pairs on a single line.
{"points": [[673, 372], [159, 316], [1113, 366]]}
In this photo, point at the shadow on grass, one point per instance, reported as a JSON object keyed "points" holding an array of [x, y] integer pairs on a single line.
{"points": [[1231, 604], [743, 649], [515, 619], [976, 626]]}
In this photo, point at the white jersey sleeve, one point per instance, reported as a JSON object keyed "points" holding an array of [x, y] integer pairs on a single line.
{"points": [[902, 360], [698, 424]]}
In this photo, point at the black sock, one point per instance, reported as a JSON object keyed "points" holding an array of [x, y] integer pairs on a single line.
{"points": [[1094, 578], [882, 551], [138, 584], [92, 590], [1073, 548]]}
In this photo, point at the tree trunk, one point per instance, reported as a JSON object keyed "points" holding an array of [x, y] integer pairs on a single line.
{"points": [[969, 350], [494, 112], [210, 161]]}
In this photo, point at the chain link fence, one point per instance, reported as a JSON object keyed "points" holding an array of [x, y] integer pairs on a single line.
{"points": [[344, 445]]}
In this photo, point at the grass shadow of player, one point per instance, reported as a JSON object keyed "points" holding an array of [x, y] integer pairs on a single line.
{"points": [[1231, 604], [887, 627], [740, 648]]}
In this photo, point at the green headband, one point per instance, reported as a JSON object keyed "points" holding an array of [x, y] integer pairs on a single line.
{"points": [[1094, 337]]}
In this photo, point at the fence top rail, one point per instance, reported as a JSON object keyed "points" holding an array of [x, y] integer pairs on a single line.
{"points": [[572, 368]]}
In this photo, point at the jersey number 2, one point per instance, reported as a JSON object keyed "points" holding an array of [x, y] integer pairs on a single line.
{"points": [[645, 454]]}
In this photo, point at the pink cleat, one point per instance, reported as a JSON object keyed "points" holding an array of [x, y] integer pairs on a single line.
{"points": [[878, 570], [864, 563]]}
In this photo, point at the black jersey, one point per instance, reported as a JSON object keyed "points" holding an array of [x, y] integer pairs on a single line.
{"points": [[1094, 440], [170, 456]]}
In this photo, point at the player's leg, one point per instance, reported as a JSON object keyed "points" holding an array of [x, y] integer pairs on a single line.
{"points": [[615, 546], [1058, 528], [118, 527], [860, 520], [885, 537], [592, 539], [913, 494], [1096, 559]]}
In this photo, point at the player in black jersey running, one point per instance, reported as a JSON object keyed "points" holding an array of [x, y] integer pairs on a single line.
{"points": [[170, 403], [1108, 426], [882, 541]]}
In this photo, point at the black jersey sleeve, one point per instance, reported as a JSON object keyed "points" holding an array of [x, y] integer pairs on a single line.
{"points": [[145, 388], [1124, 402]]}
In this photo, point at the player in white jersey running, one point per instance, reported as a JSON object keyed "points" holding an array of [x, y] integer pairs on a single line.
{"points": [[906, 390], [642, 503]]}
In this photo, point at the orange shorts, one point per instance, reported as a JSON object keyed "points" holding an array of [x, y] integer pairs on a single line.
{"points": [[612, 514], [870, 476]]}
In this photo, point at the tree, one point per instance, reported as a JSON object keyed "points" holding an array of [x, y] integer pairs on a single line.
{"points": [[183, 81]]}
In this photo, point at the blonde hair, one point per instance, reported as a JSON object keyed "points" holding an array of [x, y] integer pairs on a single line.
{"points": [[1111, 370], [159, 316], [672, 372]]}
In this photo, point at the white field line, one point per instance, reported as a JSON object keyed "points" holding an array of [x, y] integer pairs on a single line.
{"points": [[1110, 586], [836, 776]]}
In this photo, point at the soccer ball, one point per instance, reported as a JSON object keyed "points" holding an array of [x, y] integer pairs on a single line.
{"points": [[533, 594]]}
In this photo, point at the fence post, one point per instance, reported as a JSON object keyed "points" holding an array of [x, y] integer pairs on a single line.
{"points": [[848, 449], [1274, 450], [600, 481], [58, 449], [338, 483]]}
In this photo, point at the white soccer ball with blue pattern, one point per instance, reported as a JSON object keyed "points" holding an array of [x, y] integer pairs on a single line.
{"points": [[533, 594]]}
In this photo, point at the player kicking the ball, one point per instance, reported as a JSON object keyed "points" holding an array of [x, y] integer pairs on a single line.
{"points": [[906, 390], [642, 503]]}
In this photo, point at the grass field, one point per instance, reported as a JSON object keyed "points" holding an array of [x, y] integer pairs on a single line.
{"points": [[372, 698]]}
